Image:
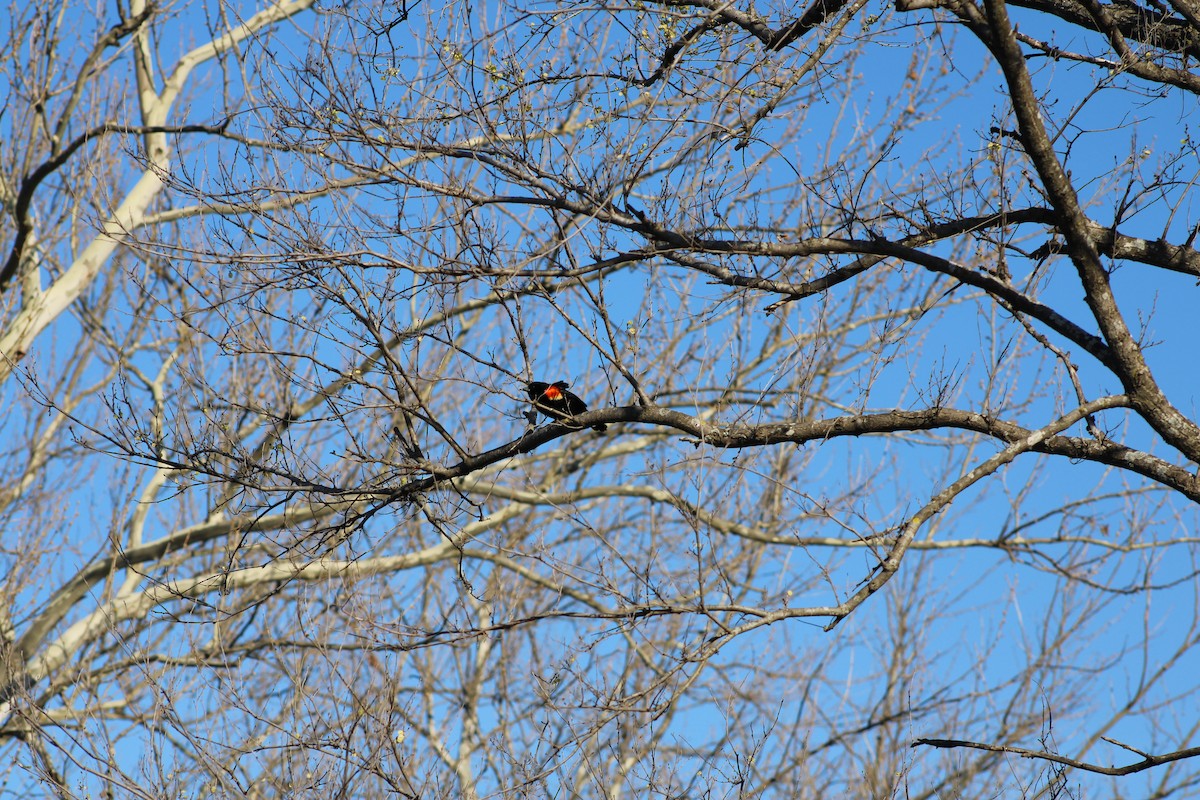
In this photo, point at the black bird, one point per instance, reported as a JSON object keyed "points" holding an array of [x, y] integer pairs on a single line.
{"points": [[553, 400]]}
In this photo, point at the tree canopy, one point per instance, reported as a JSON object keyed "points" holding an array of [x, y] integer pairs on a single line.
{"points": [[886, 310]]}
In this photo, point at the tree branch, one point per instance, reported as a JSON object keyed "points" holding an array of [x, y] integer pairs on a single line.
{"points": [[1127, 360], [1129, 769]]}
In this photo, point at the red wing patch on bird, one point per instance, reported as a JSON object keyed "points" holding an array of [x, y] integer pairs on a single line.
{"points": [[552, 393]]}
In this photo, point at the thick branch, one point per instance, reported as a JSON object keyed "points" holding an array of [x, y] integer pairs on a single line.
{"points": [[1129, 769], [727, 13], [44, 170], [1128, 363], [813, 16], [1093, 344], [1133, 21]]}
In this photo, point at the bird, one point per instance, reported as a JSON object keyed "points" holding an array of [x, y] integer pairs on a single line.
{"points": [[553, 400]]}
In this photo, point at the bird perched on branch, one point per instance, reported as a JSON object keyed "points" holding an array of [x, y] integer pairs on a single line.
{"points": [[553, 400]]}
